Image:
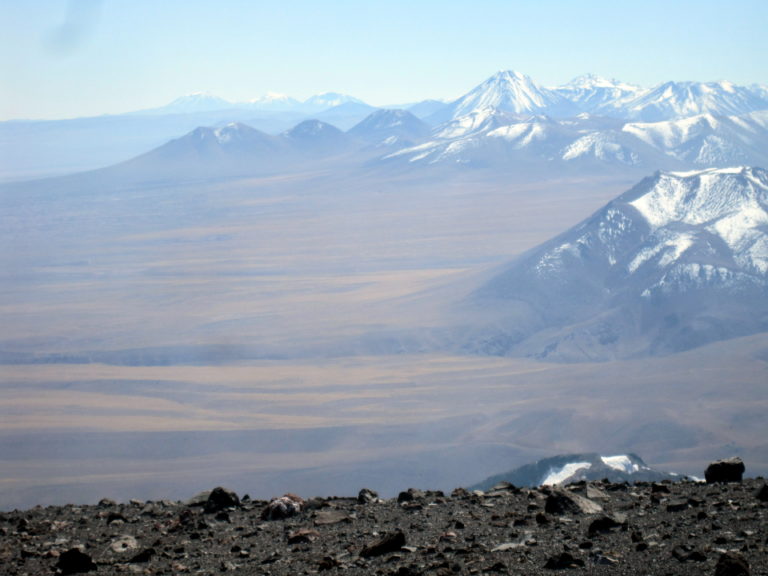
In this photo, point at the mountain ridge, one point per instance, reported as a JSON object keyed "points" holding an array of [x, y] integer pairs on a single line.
{"points": [[678, 260], [569, 468], [53, 147]]}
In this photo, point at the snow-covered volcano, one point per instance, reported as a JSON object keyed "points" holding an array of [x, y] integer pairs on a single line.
{"points": [[195, 102], [327, 100], [509, 91], [678, 261], [569, 468]]}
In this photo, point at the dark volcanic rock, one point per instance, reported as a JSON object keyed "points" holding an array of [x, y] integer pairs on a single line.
{"points": [[365, 496], [686, 553], [221, 498], [410, 495], [731, 564], [677, 505], [505, 531], [143, 556], [389, 543], [562, 561], [730, 470], [605, 524], [74, 561]]}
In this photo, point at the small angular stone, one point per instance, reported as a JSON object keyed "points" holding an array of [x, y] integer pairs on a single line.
{"points": [[563, 561], [677, 506], [566, 502], [389, 543], [303, 536], [331, 516]]}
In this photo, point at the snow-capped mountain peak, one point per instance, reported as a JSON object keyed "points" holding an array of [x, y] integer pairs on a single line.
{"points": [[274, 101], [510, 91], [196, 102], [270, 97], [598, 95], [328, 100], [591, 81]]}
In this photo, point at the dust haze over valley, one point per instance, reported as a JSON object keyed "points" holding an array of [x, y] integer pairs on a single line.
{"points": [[305, 310]]}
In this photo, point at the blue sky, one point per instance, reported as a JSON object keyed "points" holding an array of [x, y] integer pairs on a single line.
{"points": [[88, 57]]}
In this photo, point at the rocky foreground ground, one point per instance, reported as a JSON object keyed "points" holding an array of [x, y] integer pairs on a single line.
{"points": [[681, 528]]}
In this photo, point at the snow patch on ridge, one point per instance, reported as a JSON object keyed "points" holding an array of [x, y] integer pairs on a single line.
{"points": [[478, 120], [730, 203], [672, 133], [601, 147], [558, 476], [694, 198], [672, 244], [225, 134], [522, 134], [685, 277], [622, 463]]}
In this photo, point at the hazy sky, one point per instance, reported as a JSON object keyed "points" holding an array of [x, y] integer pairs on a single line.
{"points": [[90, 57]]}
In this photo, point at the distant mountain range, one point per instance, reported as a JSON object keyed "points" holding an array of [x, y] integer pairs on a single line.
{"points": [[491, 137], [678, 261], [206, 102], [237, 149], [517, 93], [486, 138], [507, 121]]}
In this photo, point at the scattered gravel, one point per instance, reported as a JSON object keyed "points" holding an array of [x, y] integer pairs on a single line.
{"points": [[680, 529]]}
